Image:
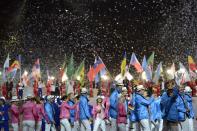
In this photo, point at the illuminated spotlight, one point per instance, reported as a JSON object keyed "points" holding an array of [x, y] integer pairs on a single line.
{"points": [[182, 70], [25, 73], [64, 78], [105, 77], [52, 78], [144, 75], [78, 78]]}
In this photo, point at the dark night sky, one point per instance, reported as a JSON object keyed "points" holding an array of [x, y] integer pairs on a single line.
{"points": [[51, 28]]}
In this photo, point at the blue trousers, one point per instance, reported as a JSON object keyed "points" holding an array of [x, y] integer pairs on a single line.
{"points": [[40, 92], [20, 93], [4, 125]]}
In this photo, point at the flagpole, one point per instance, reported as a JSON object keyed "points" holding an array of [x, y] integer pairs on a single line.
{"points": [[20, 66]]}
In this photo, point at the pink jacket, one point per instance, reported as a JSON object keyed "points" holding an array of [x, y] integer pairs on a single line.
{"points": [[122, 115], [77, 112], [39, 112], [95, 113], [106, 103], [28, 110], [65, 110], [14, 114]]}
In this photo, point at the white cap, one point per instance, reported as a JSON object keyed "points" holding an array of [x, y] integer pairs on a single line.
{"points": [[99, 97], [140, 87], [2, 97], [187, 89], [84, 90], [124, 89]]}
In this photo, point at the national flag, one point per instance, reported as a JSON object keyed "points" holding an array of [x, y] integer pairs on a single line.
{"points": [[134, 61], [5, 67], [151, 59], [36, 70], [12, 73], [185, 74], [171, 72], [91, 74], [70, 67], [157, 73], [98, 65], [193, 75], [144, 63], [147, 69], [15, 65], [62, 69], [123, 65], [148, 72], [80, 73], [192, 64]]}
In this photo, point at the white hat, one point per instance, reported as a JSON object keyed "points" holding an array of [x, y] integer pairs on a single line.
{"points": [[84, 90], [99, 97], [14, 98], [76, 95], [2, 97], [140, 87], [119, 84], [187, 89], [124, 88], [49, 97]]}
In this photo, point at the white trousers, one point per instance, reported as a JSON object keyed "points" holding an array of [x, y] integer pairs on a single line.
{"points": [[99, 123], [121, 127], [39, 126], [49, 127], [76, 126], [191, 124], [65, 125], [85, 125], [28, 125], [128, 125], [145, 125], [113, 125], [15, 126], [187, 125], [157, 126]]}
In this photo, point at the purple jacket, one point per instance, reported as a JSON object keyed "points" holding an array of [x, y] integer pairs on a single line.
{"points": [[65, 110], [122, 115], [28, 110], [14, 114], [39, 112]]}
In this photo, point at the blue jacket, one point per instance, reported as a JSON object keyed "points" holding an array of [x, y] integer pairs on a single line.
{"points": [[49, 111], [133, 114], [155, 110], [56, 111], [72, 112], [141, 106], [169, 106], [113, 110], [181, 107], [84, 108], [4, 108], [188, 99]]}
